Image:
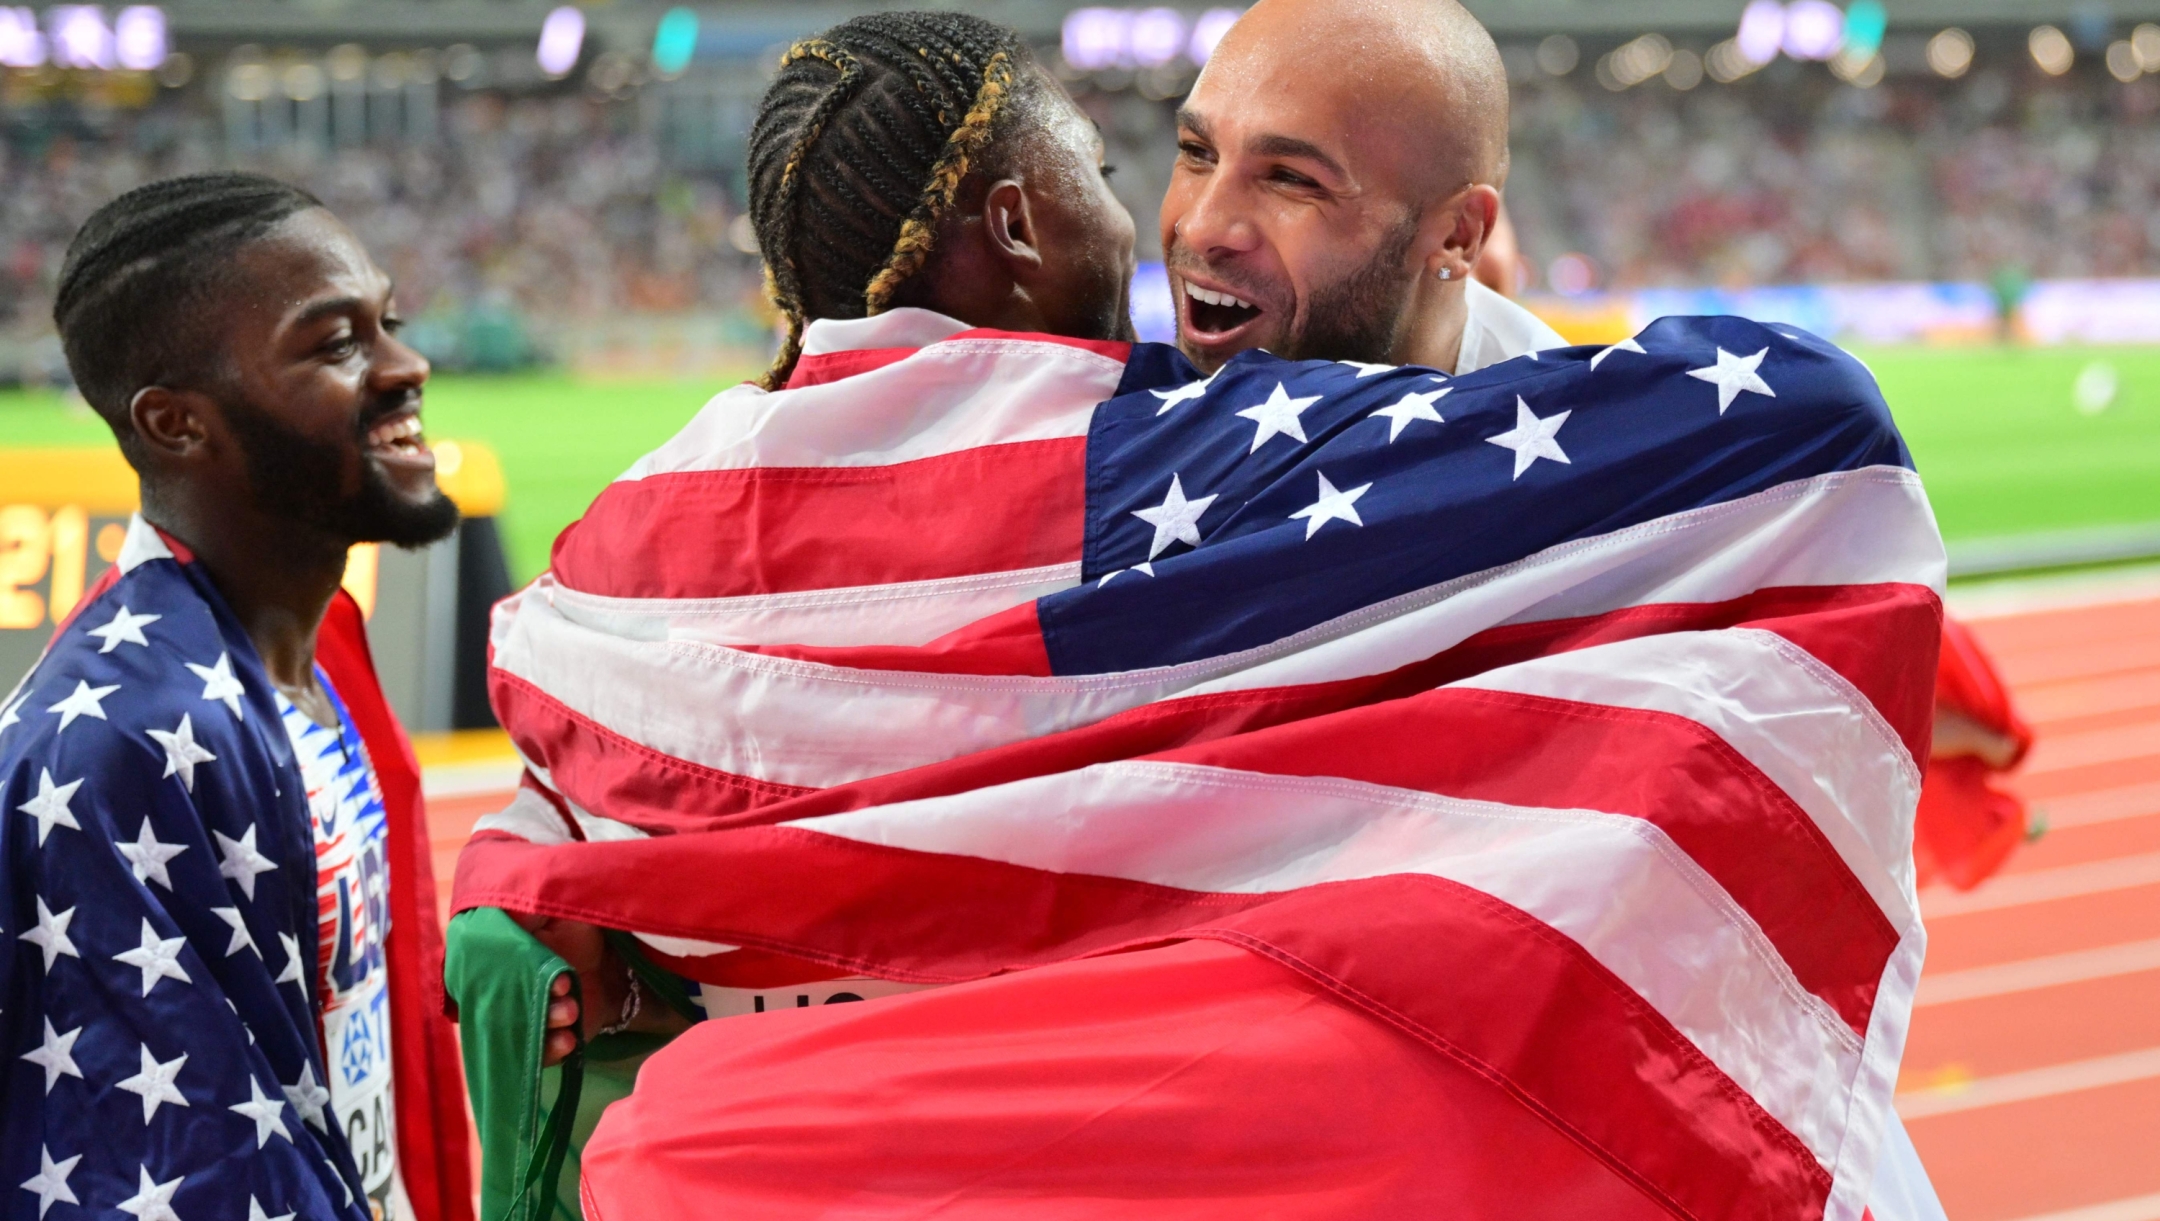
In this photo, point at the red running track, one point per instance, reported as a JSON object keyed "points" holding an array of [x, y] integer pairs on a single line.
{"points": [[2032, 1079]]}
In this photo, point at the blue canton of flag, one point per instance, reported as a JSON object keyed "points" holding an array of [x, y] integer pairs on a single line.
{"points": [[1248, 483], [158, 892]]}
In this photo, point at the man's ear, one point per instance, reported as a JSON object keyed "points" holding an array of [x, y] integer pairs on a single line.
{"points": [[1009, 228], [172, 423], [1463, 224]]}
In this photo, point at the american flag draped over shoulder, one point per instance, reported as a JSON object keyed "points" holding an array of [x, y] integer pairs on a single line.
{"points": [[1556, 722], [159, 894]]}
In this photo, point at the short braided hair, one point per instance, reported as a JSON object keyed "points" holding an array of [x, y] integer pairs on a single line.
{"points": [[139, 265], [860, 149]]}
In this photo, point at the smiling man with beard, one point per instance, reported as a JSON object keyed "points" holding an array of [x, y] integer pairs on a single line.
{"points": [[1339, 170], [212, 861]]}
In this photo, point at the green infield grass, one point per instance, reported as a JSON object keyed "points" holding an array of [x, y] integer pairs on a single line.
{"points": [[2003, 446], [1997, 433]]}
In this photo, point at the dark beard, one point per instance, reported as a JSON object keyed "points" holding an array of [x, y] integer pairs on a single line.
{"points": [[1360, 316], [296, 477]]}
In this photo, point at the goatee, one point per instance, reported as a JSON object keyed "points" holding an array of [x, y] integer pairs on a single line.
{"points": [[297, 477], [1360, 316]]}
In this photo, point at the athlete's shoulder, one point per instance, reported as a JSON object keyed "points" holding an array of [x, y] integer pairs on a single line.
{"points": [[148, 652]]}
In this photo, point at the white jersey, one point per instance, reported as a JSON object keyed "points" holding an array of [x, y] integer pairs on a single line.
{"points": [[1497, 329], [353, 913]]}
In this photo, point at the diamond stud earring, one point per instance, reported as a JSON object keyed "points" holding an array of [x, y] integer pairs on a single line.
{"points": [[1446, 273]]}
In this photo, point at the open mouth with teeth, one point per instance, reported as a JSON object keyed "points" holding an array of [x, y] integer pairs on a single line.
{"points": [[398, 441], [1211, 315]]}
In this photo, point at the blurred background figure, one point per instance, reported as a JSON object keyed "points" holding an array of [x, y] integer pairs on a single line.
{"points": [[1966, 195], [1967, 827]]}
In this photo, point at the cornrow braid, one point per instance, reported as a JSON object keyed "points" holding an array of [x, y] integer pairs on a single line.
{"points": [[860, 149], [919, 231], [782, 277], [129, 302]]}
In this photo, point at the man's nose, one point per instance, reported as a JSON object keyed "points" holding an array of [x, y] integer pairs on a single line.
{"points": [[398, 366], [1220, 219]]}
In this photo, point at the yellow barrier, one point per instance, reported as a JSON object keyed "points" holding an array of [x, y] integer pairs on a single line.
{"points": [[49, 499], [1604, 323], [100, 481]]}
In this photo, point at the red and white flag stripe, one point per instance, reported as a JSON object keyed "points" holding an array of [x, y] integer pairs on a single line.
{"points": [[1643, 801]]}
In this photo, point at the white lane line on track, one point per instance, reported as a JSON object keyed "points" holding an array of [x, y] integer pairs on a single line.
{"points": [[2061, 752], [2100, 805], [2029, 974], [2135, 1208], [2032, 1083], [2015, 597], [2043, 885]]}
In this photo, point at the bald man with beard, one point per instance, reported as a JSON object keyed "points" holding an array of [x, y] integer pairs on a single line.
{"points": [[1339, 171]]}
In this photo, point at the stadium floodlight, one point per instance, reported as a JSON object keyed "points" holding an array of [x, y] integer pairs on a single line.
{"points": [[139, 37], [1157, 37], [2145, 44], [675, 41], [1095, 38], [2122, 61], [347, 62], [392, 70], [562, 37], [1814, 29], [1684, 71], [1865, 24], [1853, 68], [1726, 62], [462, 62], [302, 82], [249, 82], [1950, 53], [1635, 61], [78, 36], [1558, 55], [1762, 31], [2051, 50], [1208, 30], [22, 44]]}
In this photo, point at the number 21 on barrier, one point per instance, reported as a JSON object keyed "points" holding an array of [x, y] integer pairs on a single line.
{"points": [[31, 544]]}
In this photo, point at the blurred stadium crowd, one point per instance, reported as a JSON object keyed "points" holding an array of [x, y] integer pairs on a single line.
{"points": [[522, 221], [1811, 180], [522, 218]]}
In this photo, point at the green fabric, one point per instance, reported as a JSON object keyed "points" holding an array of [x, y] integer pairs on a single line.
{"points": [[499, 977]]}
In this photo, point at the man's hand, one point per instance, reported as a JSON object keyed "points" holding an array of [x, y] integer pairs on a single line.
{"points": [[603, 982], [1958, 734]]}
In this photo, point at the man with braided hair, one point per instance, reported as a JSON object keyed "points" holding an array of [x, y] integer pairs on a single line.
{"points": [[1251, 794], [912, 176], [915, 179], [902, 134]]}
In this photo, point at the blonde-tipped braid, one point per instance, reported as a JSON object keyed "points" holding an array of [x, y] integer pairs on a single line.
{"points": [[783, 284], [919, 232], [783, 362], [860, 148]]}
